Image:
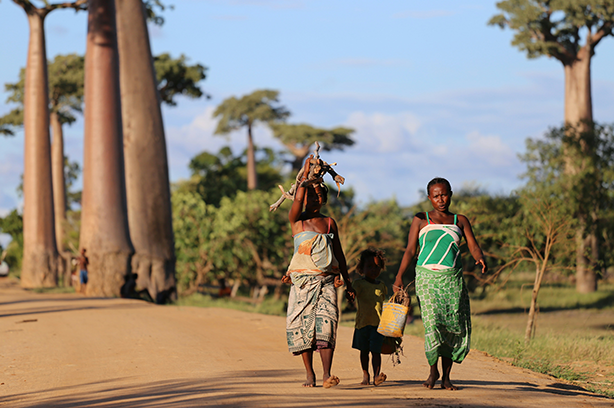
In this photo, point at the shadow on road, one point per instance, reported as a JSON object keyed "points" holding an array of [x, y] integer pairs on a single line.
{"points": [[278, 389]]}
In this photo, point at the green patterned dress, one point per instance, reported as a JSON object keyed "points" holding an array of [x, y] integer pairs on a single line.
{"points": [[444, 301]]}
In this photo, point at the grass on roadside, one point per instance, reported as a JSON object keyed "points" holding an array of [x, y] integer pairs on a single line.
{"points": [[268, 306]]}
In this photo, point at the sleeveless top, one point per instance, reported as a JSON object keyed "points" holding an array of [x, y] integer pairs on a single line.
{"points": [[439, 245], [313, 253]]}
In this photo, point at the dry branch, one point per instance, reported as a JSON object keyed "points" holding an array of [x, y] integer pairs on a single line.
{"points": [[317, 170]]}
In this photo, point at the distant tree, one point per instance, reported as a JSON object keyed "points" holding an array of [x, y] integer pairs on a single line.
{"points": [[298, 138], [544, 230], [589, 187], [569, 31], [234, 114], [40, 267], [215, 176], [175, 77], [104, 221], [65, 99]]}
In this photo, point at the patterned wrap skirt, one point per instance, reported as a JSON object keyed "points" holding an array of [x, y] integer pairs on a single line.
{"points": [[444, 304]]}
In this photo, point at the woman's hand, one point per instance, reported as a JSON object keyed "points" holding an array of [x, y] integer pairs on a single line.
{"points": [[483, 263], [398, 284], [338, 282], [286, 279]]}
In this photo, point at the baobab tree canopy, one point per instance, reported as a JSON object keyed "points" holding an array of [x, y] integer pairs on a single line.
{"points": [[261, 105], [298, 138], [176, 77], [65, 91], [555, 28]]}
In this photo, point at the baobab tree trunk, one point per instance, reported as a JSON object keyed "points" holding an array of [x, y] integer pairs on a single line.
{"points": [[252, 178], [299, 154], [579, 113], [59, 195], [147, 180], [40, 254], [104, 221]]}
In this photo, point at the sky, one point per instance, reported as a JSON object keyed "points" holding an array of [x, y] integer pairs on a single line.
{"points": [[429, 88]]}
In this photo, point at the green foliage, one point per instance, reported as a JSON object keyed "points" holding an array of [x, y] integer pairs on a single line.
{"points": [[380, 224], [585, 192], [240, 239], [299, 137], [150, 11], [555, 27], [12, 225], [259, 106], [72, 170], [223, 174], [176, 77], [66, 76]]}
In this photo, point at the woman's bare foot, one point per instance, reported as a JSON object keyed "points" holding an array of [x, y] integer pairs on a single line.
{"points": [[310, 381], [366, 379], [446, 384], [381, 377], [331, 381], [433, 377]]}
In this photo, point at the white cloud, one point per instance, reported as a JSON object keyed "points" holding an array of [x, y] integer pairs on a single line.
{"points": [[490, 149], [187, 141], [383, 133]]}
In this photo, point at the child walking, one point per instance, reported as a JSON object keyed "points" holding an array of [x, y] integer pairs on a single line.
{"points": [[370, 296]]}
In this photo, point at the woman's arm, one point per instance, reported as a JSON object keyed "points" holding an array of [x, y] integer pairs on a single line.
{"points": [[299, 196], [410, 251], [472, 243], [343, 268]]}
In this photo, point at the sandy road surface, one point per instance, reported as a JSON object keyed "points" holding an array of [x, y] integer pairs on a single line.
{"points": [[70, 351]]}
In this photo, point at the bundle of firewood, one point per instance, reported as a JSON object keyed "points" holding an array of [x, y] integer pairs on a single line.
{"points": [[317, 169]]}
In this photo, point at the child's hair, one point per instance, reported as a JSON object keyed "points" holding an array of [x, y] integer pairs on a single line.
{"points": [[437, 180], [371, 253]]}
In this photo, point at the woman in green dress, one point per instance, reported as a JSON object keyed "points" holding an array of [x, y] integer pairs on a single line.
{"points": [[444, 301]]}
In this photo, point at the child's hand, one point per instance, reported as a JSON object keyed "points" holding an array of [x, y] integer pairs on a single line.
{"points": [[350, 294], [338, 282]]}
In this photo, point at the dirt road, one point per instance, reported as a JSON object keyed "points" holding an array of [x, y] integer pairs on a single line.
{"points": [[71, 351]]}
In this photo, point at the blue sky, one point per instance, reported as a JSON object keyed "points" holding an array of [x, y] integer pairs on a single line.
{"points": [[430, 89]]}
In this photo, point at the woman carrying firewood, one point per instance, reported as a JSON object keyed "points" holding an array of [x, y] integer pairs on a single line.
{"points": [[444, 301], [318, 259]]}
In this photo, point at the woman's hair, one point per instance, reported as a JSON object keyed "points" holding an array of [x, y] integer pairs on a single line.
{"points": [[371, 253], [437, 180]]}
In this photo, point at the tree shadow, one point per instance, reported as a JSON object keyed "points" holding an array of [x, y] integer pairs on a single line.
{"points": [[236, 389], [34, 311]]}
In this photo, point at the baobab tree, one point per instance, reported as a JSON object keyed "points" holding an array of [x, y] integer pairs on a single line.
{"points": [[568, 31], [65, 99], [40, 250], [298, 139], [259, 106], [147, 179], [104, 221]]}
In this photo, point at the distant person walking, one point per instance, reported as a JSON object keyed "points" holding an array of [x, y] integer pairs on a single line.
{"points": [[83, 264], [443, 297]]}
